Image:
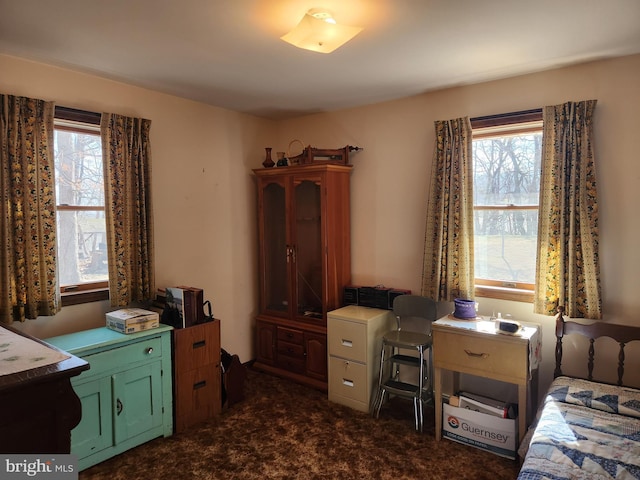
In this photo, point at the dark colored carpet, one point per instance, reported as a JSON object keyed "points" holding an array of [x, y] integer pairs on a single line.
{"points": [[287, 431]]}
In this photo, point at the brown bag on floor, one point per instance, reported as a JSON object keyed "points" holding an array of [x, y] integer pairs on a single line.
{"points": [[234, 375]]}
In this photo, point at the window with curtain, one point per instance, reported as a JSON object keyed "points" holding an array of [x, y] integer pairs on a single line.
{"points": [[76, 209], [79, 177], [506, 188], [549, 151]]}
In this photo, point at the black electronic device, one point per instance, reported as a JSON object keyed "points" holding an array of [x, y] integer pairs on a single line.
{"points": [[374, 297], [350, 295], [379, 297], [510, 327]]}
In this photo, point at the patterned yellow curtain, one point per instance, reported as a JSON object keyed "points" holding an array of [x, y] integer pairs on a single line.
{"points": [[128, 212], [447, 271], [568, 270], [28, 281]]}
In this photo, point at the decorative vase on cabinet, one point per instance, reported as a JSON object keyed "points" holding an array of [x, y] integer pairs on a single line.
{"points": [[304, 263]]}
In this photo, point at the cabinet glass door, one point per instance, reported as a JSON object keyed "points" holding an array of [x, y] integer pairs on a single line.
{"points": [[308, 249], [276, 278]]}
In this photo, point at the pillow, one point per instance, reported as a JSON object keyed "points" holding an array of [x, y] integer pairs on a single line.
{"points": [[599, 396]]}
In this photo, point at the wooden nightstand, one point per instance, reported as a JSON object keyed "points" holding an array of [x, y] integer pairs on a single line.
{"points": [[197, 373], [475, 347]]}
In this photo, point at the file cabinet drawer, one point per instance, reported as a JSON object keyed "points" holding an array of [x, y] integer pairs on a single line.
{"points": [[349, 379], [347, 339]]}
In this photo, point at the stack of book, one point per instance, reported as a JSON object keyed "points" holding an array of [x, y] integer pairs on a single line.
{"points": [[489, 406], [188, 304]]}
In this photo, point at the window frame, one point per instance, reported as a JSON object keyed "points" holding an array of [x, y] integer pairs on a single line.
{"points": [[86, 292], [524, 121]]}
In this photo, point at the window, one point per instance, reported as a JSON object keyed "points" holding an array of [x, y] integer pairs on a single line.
{"points": [[82, 253], [506, 185]]}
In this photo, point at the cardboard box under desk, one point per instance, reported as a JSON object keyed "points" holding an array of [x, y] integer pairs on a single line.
{"points": [[131, 320], [486, 432]]}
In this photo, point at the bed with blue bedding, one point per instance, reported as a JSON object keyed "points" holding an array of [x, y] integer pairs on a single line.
{"points": [[585, 429]]}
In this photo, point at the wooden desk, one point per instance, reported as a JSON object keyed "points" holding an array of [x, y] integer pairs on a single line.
{"points": [[39, 405], [475, 347]]}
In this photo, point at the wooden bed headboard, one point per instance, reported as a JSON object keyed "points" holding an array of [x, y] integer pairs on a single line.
{"points": [[622, 334]]}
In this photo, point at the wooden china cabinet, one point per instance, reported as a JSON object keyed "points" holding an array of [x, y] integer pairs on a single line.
{"points": [[304, 263]]}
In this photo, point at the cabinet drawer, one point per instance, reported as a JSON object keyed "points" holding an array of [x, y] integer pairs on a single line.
{"points": [[348, 379], [291, 364], [495, 355], [347, 339], [290, 349], [148, 349], [290, 335]]}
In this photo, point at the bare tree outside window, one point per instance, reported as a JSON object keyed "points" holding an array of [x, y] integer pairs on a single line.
{"points": [[80, 197], [506, 174]]}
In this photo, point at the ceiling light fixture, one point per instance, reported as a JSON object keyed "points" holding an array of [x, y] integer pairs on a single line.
{"points": [[319, 32]]}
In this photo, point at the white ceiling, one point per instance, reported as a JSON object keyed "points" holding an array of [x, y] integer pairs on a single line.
{"points": [[229, 53]]}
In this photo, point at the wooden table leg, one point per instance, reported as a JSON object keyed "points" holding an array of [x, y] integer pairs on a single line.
{"points": [[522, 411], [437, 398]]}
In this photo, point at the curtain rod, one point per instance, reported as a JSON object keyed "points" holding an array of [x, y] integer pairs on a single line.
{"points": [[507, 118], [75, 115]]}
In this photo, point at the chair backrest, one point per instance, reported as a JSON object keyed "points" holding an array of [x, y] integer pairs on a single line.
{"points": [[414, 313]]}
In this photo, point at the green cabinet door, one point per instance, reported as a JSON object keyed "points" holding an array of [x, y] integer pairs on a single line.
{"points": [[137, 401], [95, 430]]}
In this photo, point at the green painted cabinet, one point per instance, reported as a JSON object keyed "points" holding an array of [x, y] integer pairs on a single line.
{"points": [[126, 394]]}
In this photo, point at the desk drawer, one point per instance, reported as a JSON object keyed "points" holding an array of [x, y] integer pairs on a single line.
{"points": [[492, 355]]}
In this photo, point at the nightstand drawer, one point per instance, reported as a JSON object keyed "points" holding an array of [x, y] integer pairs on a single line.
{"points": [[348, 379], [478, 355], [347, 339]]}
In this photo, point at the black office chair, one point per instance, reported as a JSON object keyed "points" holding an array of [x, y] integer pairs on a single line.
{"points": [[414, 315]]}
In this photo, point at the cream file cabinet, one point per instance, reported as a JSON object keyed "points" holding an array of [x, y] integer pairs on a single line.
{"points": [[354, 335]]}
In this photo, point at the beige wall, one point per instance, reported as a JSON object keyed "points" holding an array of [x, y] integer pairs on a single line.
{"points": [[202, 187], [205, 203], [391, 176]]}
